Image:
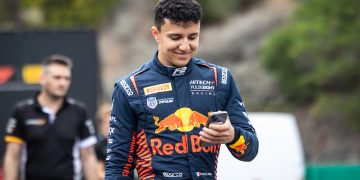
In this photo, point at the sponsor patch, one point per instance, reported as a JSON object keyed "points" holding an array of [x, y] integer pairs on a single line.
{"points": [[198, 174], [245, 114], [202, 87], [165, 100], [35, 122], [113, 118], [111, 131], [224, 75], [11, 125], [126, 87], [158, 88], [179, 71], [240, 145], [108, 158], [242, 104], [171, 174], [89, 124], [151, 102]]}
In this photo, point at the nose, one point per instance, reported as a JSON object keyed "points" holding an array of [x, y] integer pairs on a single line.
{"points": [[185, 46], [64, 81]]}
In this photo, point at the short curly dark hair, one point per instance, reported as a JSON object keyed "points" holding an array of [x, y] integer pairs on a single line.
{"points": [[177, 11]]}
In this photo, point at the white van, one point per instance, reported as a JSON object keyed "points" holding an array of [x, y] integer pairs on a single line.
{"points": [[280, 154]]}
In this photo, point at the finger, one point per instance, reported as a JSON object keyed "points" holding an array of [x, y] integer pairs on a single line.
{"points": [[214, 133], [211, 141], [220, 127], [211, 137]]}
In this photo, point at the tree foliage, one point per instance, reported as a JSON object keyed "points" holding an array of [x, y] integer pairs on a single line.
{"points": [[216, 11], [316, 56], [59, 13]]}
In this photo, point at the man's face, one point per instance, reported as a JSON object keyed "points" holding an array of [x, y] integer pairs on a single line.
{"points": [[177, 43], [56, 80]]}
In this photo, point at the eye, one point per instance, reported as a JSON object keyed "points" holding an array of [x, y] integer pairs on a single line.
{"points": [[175, 38], [193, 37]]}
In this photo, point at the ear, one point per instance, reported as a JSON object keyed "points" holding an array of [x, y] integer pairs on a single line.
{"points": [[42, 79], [155, 32]]}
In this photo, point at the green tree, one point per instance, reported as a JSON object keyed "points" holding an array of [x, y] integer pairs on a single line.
{"points": [[216, 10], [316, 57], [54, 13]]}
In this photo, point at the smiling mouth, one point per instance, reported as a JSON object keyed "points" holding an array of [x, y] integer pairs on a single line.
{"points": [[183, 54]]}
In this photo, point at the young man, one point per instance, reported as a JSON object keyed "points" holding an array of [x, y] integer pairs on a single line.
{"points": [[159, 111], [51, 129]]}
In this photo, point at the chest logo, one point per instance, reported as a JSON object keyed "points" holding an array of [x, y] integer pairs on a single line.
{"points": [[183, 119], [158, 88], [151, 102], [11, 125], [179, 71], [35, 122]]}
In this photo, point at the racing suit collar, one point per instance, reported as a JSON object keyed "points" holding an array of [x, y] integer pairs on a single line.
{"points": [[171, 71]]}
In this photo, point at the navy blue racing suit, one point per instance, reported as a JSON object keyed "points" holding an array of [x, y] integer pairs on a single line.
{"points": [[157, 115]]}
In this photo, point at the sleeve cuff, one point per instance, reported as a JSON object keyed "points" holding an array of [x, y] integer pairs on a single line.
{"points": [[89, 141], [13, 139], [238, 144], [237, 133]]}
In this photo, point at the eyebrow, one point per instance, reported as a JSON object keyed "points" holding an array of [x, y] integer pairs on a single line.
{"points": [[175, 34]]}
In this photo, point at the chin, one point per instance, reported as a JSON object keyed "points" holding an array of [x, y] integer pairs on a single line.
{"points": [[182, 62]]}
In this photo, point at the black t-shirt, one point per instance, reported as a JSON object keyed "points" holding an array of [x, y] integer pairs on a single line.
{"points": [[100, 148], [52, 142]]}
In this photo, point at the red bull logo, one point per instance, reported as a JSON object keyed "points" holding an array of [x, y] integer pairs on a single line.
{"points": [[184, 120], [159, 148], [240, 145]]}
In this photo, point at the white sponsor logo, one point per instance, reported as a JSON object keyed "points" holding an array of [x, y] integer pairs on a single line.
{"points": [[202, 93], [90, 126], [35, 122], [113, 118], [179, 71], [166, 100], [151, 102], [242, 104], [203, 174], [110, 141], [170, 174], [126, 87], [108, 158], [202, 82], [246, 115], [111, 131], [11, 125], [202, 87], [223, 76], [108, 150]]}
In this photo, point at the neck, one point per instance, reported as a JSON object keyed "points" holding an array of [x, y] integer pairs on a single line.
{"points": [[161, 60], [51, 102]]}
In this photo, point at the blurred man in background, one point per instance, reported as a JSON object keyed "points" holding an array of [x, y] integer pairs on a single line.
{"points": [[160, 110], [50, 131]]}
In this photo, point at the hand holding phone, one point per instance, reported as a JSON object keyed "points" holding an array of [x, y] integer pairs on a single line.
{"points": [[218, 117]]}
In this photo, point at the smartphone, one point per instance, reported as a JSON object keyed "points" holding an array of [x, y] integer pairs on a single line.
{"points": [[217, 117]]}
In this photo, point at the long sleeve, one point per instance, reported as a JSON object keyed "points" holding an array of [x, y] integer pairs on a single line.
{"points": [[120, 160], [245, 144]]}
